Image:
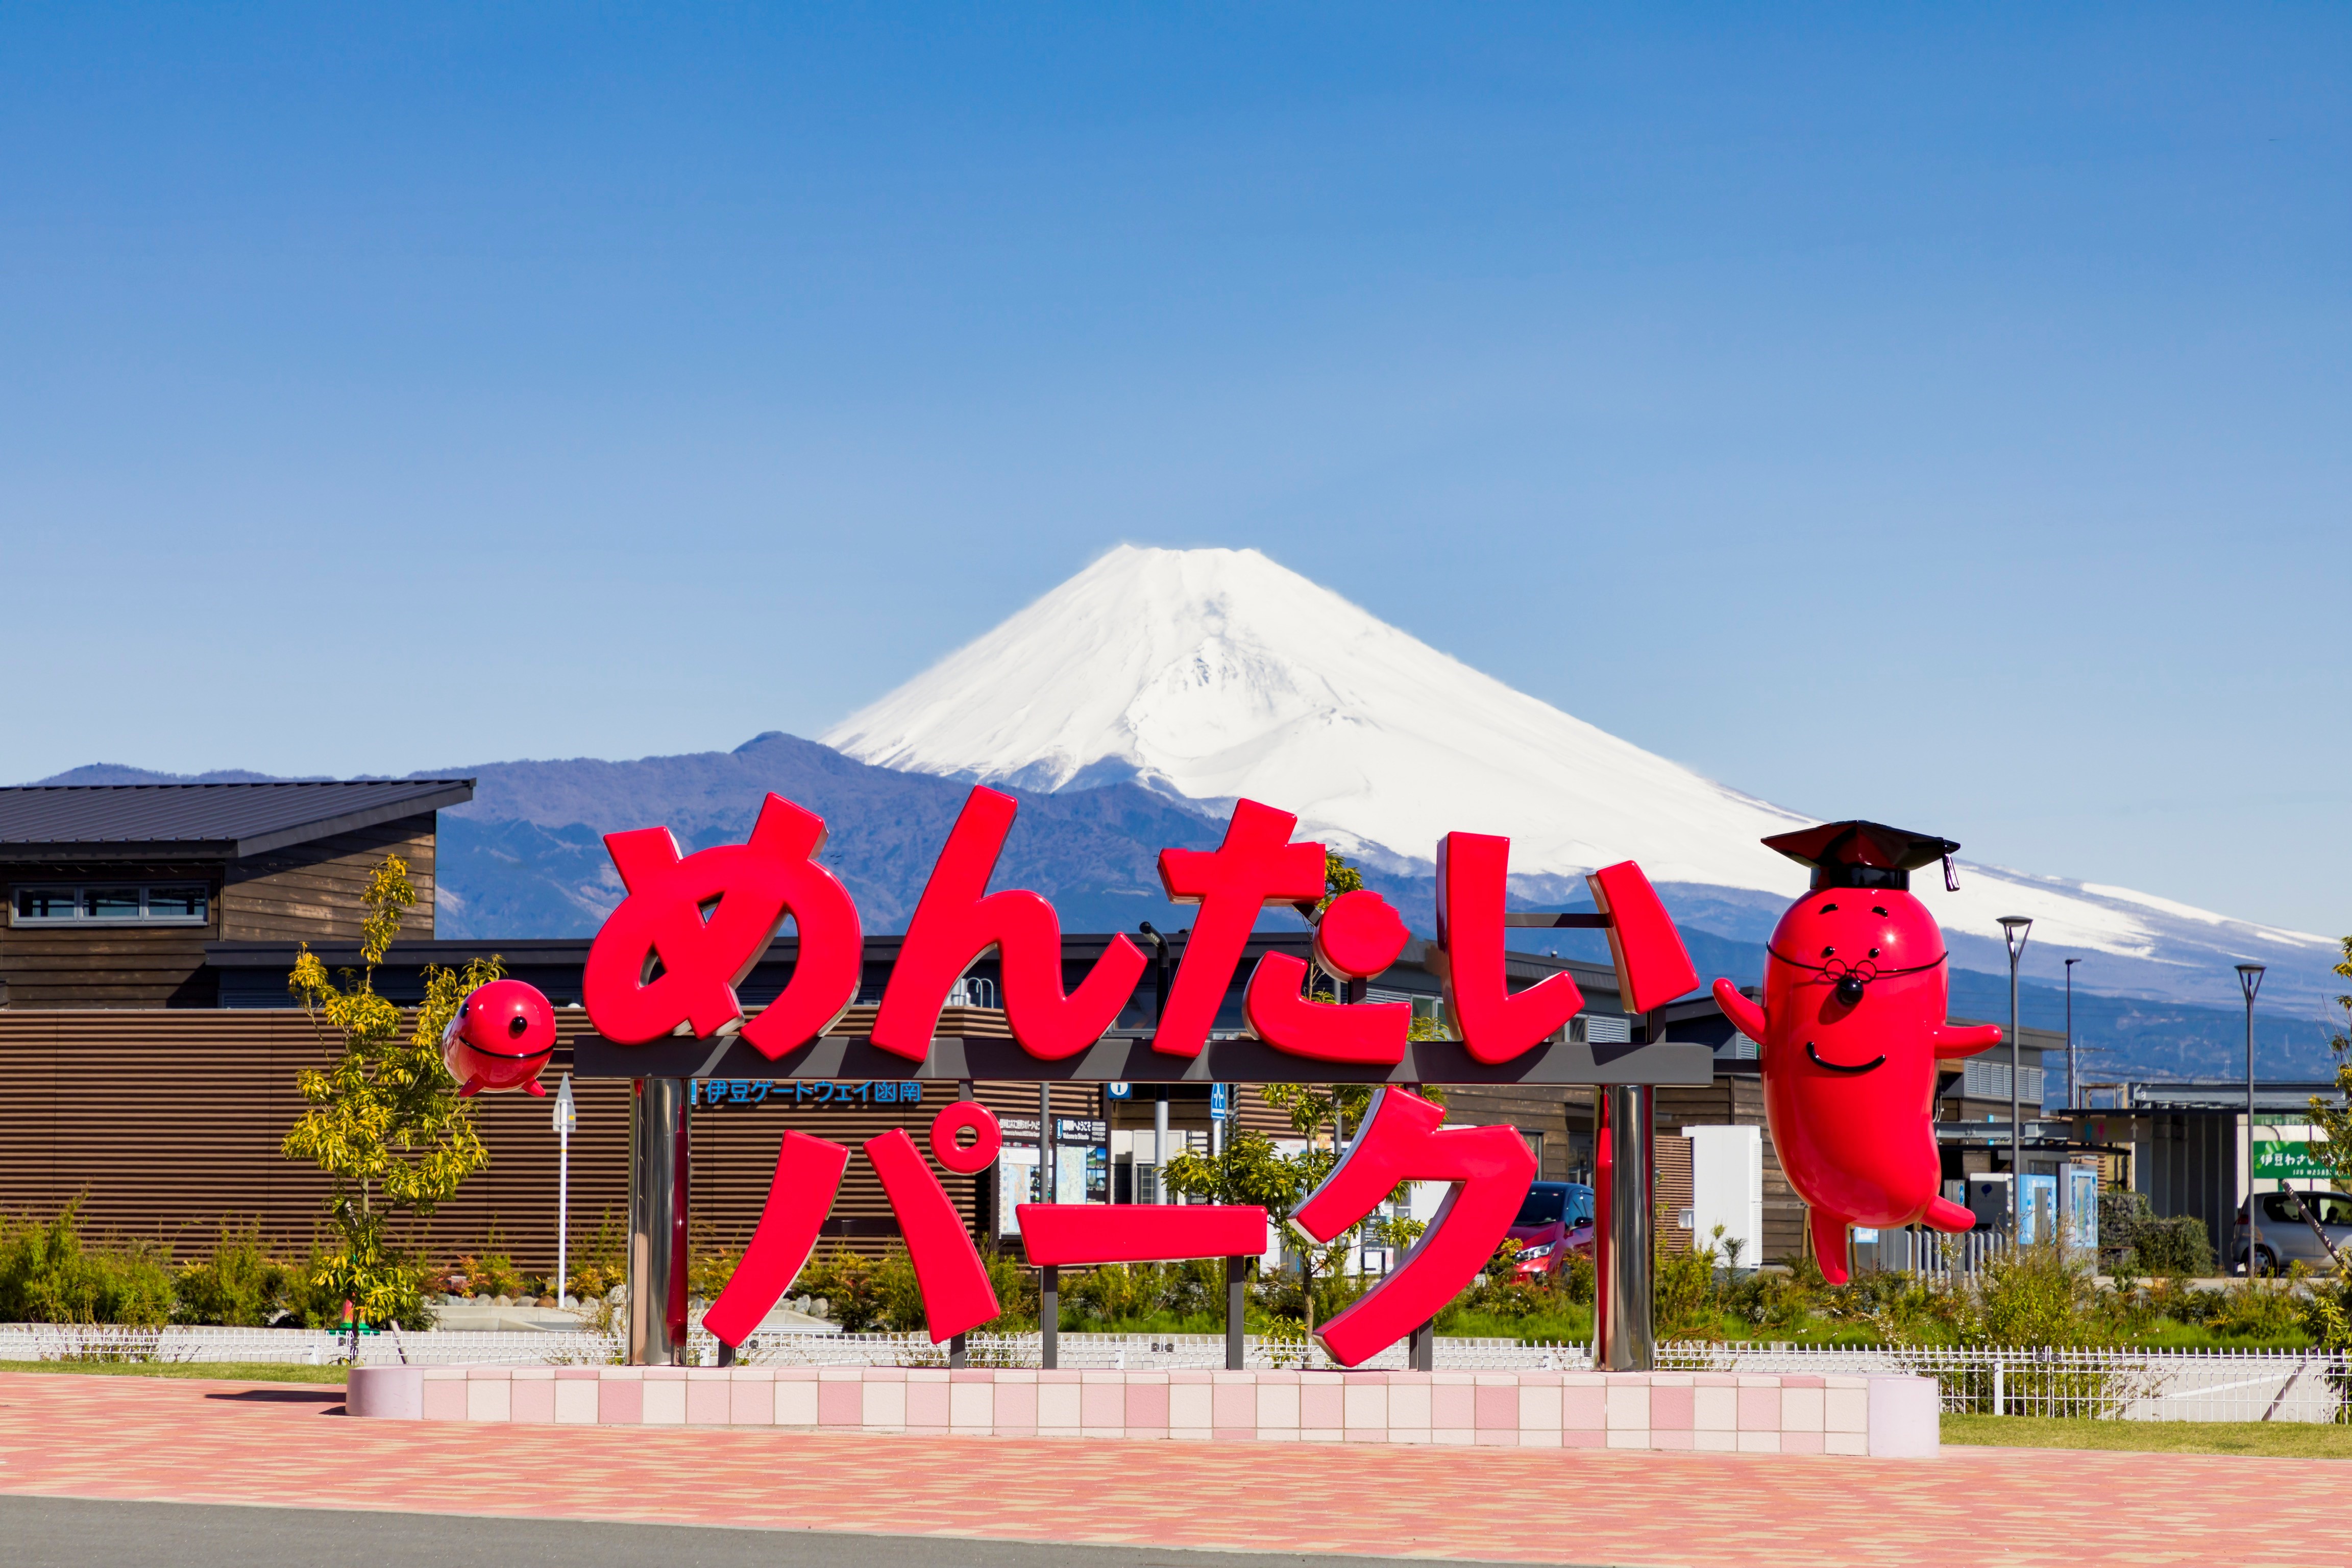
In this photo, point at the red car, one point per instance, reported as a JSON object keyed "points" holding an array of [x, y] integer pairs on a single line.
{"points": [[1554, 1221]]}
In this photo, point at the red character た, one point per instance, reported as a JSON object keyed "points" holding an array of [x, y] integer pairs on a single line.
{"points": [[501, 1039], [1853, 1021]]}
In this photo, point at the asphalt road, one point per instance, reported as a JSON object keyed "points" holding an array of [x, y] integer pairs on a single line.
{"points": [[69, 1532]]}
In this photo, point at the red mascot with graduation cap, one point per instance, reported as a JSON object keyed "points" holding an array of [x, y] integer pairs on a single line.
{"points": [[1855, 990]]}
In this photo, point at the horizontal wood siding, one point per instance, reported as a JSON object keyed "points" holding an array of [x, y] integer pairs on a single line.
{"points": [[1738, 1100], [76, 965], [313, 892], [1673, 1190], [169, 1123]]}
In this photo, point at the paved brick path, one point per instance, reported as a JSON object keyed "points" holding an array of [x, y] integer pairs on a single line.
{"points": [[192, 1441]]}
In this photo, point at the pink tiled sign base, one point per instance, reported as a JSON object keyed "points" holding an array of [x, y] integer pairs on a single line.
{"points": [[1763, 1414]]}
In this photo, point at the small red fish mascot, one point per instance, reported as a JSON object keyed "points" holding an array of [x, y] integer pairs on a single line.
{"points": [[502, 1038], [1853, 1020]]}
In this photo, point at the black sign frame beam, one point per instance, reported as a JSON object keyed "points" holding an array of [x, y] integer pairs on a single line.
{"points": [[1130, 1059]]}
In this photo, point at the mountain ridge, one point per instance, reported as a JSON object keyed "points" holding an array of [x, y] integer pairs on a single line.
{"points": [[526, 858], [1205, 675]]}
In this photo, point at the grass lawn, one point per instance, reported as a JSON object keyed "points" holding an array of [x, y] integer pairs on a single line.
{"points": [[2276, 1440], [238, 1371]]}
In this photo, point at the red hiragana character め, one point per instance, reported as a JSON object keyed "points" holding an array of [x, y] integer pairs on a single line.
{"points": [[669, 959], [1489, 1169], [1358, 936], [956, 921], [1256, 865]]}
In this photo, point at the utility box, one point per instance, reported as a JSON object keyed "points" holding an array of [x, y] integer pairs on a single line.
{"points": [[1988, 1199], [2038, 1225], [1728, 1188], [2082, 1179]]}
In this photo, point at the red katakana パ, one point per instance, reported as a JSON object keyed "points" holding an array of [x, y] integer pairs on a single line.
{"points": [[957, 1295]]}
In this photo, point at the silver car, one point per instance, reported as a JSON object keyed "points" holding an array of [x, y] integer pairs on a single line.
{"points": [[2287, 1236]]}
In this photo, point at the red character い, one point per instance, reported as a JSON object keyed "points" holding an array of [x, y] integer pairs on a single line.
{"points": [[1855, 990], [502, 1038]]}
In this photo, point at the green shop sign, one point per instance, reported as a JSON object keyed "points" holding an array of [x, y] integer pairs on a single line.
{"points": [[2292, 1163]]}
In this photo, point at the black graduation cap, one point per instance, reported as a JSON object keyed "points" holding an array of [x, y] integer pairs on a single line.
{"points": [[1865, 854]]}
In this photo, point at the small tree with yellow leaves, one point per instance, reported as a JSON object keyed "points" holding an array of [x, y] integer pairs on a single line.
{"points": [[384, 1120]]}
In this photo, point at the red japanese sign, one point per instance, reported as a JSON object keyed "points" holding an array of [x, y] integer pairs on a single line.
{"points": [[692, 927]]}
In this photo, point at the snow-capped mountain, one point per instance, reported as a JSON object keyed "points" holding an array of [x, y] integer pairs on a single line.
{"points": [[1207, 675]]}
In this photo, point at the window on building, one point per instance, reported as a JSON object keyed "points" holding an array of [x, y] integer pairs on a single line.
{"points": [[115, 903]]}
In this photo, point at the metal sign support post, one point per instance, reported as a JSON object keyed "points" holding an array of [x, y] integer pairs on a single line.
{"points": [[659, 1151], [1236, 1315], [1049, 1277], [960, 1347], [1626, 1342], [1159, 1147]]}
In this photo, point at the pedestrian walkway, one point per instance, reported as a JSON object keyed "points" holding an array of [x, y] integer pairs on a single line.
{"points": [[191, 1441]]}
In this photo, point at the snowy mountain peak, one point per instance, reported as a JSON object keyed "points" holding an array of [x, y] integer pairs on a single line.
{"points": [[1212, 674]]}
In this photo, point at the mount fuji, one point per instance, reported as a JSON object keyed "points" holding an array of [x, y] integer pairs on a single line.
{"points": [[1206, 675]]}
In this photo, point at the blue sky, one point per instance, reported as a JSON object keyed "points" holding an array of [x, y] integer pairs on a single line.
{"points": [[1936, 415]]}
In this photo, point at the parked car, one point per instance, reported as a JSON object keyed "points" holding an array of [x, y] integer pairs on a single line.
{"points": [[1553, 1224], [2287, 1237]]}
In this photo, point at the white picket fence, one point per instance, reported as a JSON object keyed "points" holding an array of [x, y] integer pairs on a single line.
{"points": [[2106, 1384], [1938, 1259]]}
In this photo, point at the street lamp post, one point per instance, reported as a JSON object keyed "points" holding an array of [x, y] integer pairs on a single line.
{"points": [[2249, 980], [566, 1119], [2069, 1031], [2013, 930]]}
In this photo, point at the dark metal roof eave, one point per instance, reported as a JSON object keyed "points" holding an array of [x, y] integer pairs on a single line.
{"points": [[456, 792], [422, 796]]}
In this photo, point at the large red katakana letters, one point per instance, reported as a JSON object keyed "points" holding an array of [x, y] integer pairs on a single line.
{"points": [[1490, 1169], [1494, 1026], [957, 1295], [1256, 865], [954, 925], [669, 959], [1058, 1234], [1358, 936], [808, 1173]]}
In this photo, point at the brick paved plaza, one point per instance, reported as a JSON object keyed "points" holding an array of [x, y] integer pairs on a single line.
{"points": [[194, 1441]]}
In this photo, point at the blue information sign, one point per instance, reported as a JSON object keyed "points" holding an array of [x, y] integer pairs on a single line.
{"points": [[1220, 1103]]}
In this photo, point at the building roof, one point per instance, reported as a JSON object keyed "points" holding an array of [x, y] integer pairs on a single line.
{"points": [[2224, 1095], [203, 821]]}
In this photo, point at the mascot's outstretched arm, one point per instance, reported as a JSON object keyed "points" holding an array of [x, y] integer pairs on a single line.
{"points": [[1964, 1039], [1747, 1016]]}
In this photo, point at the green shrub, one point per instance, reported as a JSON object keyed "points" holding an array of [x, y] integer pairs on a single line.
{"points": [[1152, 1298], [601, 1262], [239, 1285], [848, 1281], [2133, 1240], [48, 1275], [2255, 1310]]}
